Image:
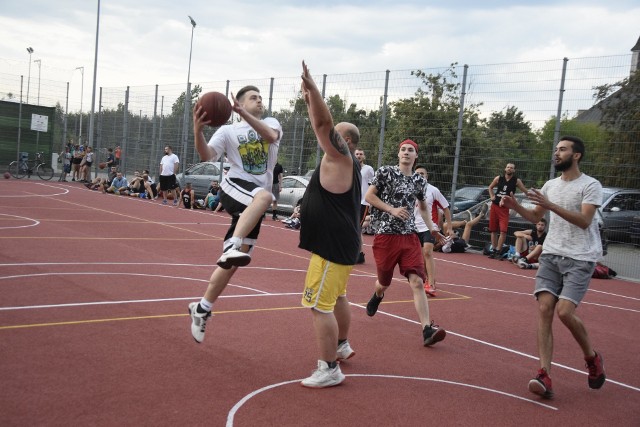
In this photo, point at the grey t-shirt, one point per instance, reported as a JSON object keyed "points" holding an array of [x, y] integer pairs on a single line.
{"points": [[565, 238]]}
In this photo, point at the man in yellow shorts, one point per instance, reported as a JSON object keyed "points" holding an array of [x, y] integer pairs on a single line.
{"points": [[330, 218]]}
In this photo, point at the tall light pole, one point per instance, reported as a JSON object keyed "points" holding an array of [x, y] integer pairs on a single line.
{"points": [[187, 102], [30, 50], [81, 96], [39, 61]]}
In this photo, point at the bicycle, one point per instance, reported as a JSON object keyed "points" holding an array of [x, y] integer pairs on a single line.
{"points": [[27, 167]]}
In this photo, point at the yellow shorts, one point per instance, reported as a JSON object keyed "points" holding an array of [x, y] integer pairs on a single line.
{"points": [[325, 282]]}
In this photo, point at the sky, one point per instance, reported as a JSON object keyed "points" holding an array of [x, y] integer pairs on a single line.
{"points": [[143, 42]]}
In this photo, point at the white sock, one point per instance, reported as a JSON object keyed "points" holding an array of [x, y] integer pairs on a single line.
{"points": [[206, 305]]}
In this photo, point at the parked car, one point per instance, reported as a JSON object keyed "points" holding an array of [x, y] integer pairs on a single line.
{"points": [[480, 234], [291, 191], [619, 207], [200, 176], [469, 196]]}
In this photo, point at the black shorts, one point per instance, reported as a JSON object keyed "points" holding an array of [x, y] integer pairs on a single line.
{"points": [[77, 161], [88, 164], [168, 182], [426, 237]]}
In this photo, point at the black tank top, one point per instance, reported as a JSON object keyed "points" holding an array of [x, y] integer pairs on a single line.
{"points": [[505, 187], [330, 223], [186, 199]]}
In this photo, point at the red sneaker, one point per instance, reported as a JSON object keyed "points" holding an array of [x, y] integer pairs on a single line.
{"points": [[595, 365], [429, 290], [541, 384]]}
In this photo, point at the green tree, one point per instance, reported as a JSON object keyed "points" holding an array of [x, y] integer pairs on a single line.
{"points": [[430, 118], [621, 118]]}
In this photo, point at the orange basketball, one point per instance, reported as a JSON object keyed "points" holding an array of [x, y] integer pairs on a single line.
{"points": [[217, 106], [102, 165]]}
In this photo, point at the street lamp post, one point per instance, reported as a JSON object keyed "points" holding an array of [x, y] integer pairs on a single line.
{"points": [[81, 96], [39, 61], [187, 101], [30, 50]]}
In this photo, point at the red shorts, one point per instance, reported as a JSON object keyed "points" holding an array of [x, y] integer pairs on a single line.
{"points": [[498, 218], [525, 253], [403, 250]]}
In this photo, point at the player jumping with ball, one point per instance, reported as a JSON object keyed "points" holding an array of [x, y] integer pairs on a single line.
{"points": [[251, 146]]}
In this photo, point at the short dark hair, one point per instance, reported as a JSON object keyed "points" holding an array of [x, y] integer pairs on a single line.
{"points": [[421, 167], [543, 219], [578, 145], [246, 89]]}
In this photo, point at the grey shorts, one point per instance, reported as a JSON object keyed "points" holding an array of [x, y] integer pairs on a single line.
{"points": [[564, 277], [275, 190]]}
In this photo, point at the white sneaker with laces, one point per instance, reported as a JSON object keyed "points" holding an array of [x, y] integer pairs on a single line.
{"points": [[344, 351], [324, 376], [522, 263], [233, 257], [198, 322]]}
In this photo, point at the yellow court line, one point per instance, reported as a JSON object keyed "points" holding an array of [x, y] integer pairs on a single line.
{"points": [[164, 316]]}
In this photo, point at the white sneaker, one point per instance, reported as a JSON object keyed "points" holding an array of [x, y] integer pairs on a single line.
{"points": [[198, 322], [446, 248], [233, 257], [522, 263], [345, 351], [324, 376]]}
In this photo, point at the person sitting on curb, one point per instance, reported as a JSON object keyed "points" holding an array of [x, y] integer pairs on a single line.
{"points": [[119, 185], [529, 245]]}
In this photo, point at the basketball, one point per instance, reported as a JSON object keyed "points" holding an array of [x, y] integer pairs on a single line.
{"points": [[217, 106], [7, 175], [102, 165]]}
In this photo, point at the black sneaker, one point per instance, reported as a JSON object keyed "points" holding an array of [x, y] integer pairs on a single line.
{"points": [[360, 258], [493, 254], [372, 305], [433, 334]]}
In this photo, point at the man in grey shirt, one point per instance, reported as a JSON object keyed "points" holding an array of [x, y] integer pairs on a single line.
{"points": [[568, 258]]}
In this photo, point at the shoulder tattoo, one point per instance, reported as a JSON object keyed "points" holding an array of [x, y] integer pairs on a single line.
{"points": [[338, 142]]}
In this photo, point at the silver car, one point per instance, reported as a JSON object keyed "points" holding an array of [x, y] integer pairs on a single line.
{"points": [[200, 176], [291, 191]]}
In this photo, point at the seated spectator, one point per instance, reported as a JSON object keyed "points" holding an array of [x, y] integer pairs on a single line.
{"points": [[529, 245], [187, 197], [119, 185], [457, 243], [294, 220], [212, 199], [136, 186], [150, 185]]}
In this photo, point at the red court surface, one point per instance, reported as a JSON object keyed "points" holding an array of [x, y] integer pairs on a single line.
{"points": [[94, 330]]}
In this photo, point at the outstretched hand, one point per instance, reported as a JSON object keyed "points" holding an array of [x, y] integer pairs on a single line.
{"points": [[235, 105], [537, 198], [508, 201], [307, 84]]}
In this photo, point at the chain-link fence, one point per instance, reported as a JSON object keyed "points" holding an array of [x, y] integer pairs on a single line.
{"points": [[468, 120]]}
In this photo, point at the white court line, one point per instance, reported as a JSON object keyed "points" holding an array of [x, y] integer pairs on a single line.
{"points": [[64, 191], [509, 350], [245, 399], [81, 304], [353, 304], [35, 222]]}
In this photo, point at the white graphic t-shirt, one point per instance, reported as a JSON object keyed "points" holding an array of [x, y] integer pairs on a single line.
{"points": [[251, 157]]}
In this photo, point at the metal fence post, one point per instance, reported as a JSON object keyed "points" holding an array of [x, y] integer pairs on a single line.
{"points": [[383, 117], [556, 131], [125, 130], [456, 159]]}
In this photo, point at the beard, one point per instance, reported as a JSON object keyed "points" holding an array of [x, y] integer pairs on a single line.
{"points": [[564, 165]]}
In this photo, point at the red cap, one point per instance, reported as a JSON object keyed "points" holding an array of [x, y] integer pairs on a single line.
{"points": [[408, 141]]}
